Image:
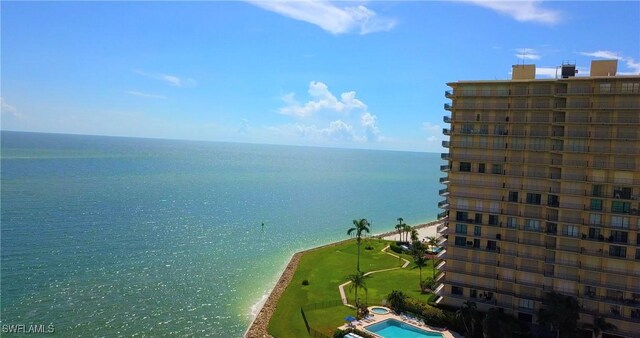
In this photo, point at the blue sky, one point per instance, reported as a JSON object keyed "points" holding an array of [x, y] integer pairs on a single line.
{"points": [[338, 74]]}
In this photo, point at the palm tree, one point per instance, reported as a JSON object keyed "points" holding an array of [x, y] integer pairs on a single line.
{"points": [[467, 310], [399, 228], [560, 313], [396, 299], [420, 263], [414, 235], [433, 242], [357, 281], [600, 324], [406, 229], [359, 227], [499, 325]]}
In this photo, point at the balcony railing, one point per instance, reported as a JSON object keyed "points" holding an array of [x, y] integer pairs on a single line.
{"points": [[448, 93], [445, 167], [445, 156], [448, 107], [446, 131], [445, 144]]}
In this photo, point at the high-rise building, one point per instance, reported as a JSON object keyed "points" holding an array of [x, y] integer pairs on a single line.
{"points": [[542, 193]]}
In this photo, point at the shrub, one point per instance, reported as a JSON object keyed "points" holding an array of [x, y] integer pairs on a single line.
{"points": [[395, 248], [339, 333], [305, 282]]}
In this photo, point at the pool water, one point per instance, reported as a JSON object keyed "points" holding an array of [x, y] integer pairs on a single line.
{"points": [[379, 310], [392, 328]]}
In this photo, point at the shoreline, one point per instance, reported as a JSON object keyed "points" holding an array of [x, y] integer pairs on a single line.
{"points": [[259, 325]]}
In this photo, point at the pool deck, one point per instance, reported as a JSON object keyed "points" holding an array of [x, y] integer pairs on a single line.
{"points": [[360, 325]]}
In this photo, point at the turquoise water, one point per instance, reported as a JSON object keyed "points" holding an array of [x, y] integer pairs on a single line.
{"points": [[392, 328], [118, 236]]}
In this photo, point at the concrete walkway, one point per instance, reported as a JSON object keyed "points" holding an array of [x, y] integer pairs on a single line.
{"points": [[343, 295]]}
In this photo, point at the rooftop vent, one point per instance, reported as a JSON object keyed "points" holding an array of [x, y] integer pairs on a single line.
{"points": [[568, 70]]}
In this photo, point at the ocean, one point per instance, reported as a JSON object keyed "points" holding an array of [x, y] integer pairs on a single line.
{"points": [[109, 236]]}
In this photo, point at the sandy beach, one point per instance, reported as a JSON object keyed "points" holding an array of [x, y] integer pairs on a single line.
{"points": [[258, 328]]}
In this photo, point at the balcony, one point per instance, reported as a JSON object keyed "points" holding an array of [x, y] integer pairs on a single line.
{"points": [[443, 214], [445, 156], [443, 192], [446, 131], [444, 180], [448, 107], [443, 204], [448, 93], [445, 168], [445, 144], [446, 119]]}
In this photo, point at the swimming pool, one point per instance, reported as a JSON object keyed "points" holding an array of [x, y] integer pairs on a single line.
{"points": [[380, 310], [392, 328]]}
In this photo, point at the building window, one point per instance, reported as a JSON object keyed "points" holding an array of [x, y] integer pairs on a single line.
{"points": [[456, 290], [461, 241], [478, 218], [465, 166], [496, 169], [637, 253], [531, 224], [553, 201], [620, 222], [476, 243], [526, 304], [513, 196], [620, 207], [533, 198], [596, 190], [590, 291], [493, 220], [596, 204], [594, 233], [512, 222], [595, 219], [630, 87], [622, 192], [491, 245], [461, 228], [552, 228], [476, 230], [605, 87], [462, 216], [570, 230], [618, 236], [617, 251], [481, 167], [615, 310], [473, 293], [635, 313]]}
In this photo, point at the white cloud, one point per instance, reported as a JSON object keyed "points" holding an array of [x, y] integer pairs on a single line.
{"points": [[145, 95], [244, 127], [523, 11], [606, 54], [328, 118], [168, 79], [370, 124], [527, 53], [549, 72], [6, 108], [434, 132], [324, 101], [329, 16]]}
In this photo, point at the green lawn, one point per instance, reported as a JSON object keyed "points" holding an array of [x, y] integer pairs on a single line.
{"points": [[329, 267]]}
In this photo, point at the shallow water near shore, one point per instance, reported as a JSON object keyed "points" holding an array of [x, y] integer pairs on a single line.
{"points": [[119, 236]]}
